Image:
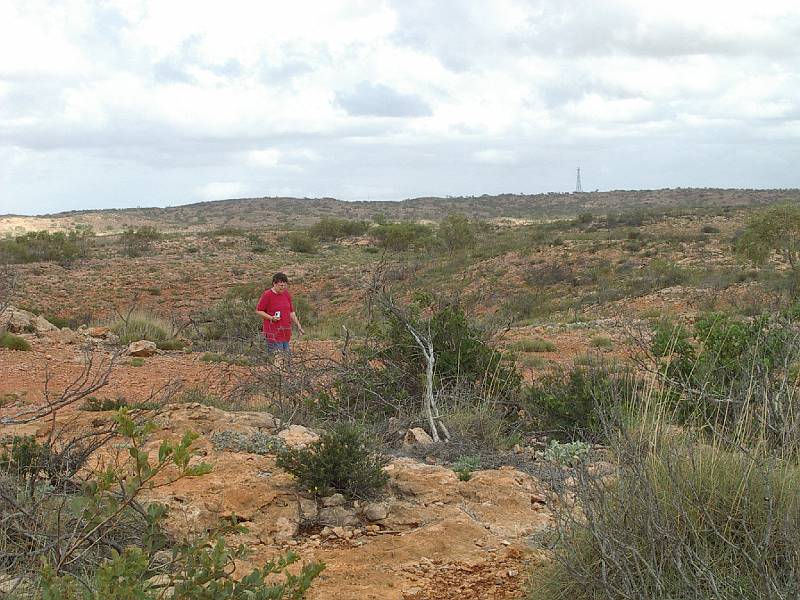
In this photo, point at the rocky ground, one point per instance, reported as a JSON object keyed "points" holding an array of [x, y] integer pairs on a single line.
{"points": [[430, 536]]}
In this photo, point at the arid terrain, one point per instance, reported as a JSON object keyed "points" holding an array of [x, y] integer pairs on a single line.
{"points": [[554, 282]]}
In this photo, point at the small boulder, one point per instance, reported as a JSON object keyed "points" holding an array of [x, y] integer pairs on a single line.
{"points": [[333, 500], [297, 436], [338, 516], [142, 348], [417, 437], [98, 332], [376, 511]]}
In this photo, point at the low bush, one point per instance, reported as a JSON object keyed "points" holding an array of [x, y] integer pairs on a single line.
{"points": [[465, 465], [571, 403], [403, 236], [681, 518], [534, 345], [143, 325], [44, 246], [602, 342], [93, 540], [300, 241], [342, 460], [330, 228], [13, 342], [136, 241]]}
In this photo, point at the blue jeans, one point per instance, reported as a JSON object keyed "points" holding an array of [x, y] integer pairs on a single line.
{"points": [[277, 346]]}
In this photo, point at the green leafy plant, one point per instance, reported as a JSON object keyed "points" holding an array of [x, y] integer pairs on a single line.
{"points": [[342, 460], [300, 241], [13, 342], [465, 465], [566, 454]]}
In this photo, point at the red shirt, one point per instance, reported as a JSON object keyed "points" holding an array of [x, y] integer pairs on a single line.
{"points": [[270, 303]]}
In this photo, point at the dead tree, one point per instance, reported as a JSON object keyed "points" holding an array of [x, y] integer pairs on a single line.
{"points": [[424, 340]]}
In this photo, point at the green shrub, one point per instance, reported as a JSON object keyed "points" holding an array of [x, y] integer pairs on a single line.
{"points": [[143, 325], [136, 241], [679, 519], [47, 247], [566, 454], [137, 361], [534, 345], [330, 228], [216, 357], [340, 461], [402, 236], [465, 465], [456, 232], [571, 403], [709, 229], [601, 341], [300, 241], [13, 342], [80, 559], [170, 344]]}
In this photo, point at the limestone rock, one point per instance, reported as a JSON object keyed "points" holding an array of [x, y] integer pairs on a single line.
{"points": [[338, 516], [417, 437], [333, 500], [98, 332], [376, 511], [17, 320], [142, 348], [297, 436]]}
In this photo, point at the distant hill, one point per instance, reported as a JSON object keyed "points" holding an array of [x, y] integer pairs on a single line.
{"points": [[277, 213]]}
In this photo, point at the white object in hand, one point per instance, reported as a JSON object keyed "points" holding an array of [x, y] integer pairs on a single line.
{"points": [[277, 314]]}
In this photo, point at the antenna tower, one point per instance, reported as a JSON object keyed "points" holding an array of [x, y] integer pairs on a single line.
{"points": [[578, 187]]}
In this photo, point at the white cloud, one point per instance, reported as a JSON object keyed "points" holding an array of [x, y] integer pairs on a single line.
{"points": [[216, 190], [408, 95], [493, 156]]}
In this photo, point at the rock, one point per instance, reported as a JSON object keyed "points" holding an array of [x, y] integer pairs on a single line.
{"points": [[338, 516], [334, 500], [142, 348], [98, 332], [41, 324], [307, 509], [416, 437], [297, 436], [376, 511], [16, 320]]}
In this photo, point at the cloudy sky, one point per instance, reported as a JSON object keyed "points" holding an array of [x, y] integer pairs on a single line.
{"points": [[119, 103]]}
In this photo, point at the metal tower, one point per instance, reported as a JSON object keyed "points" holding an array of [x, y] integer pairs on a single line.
{"points": [[578, 187]]}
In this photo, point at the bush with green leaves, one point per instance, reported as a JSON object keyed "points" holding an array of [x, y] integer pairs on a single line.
{"points": [[44, 246], [566, 454], [300, 241], [712, 369], [533, 345], [462, 351], [456, 232], [684, 516], [137, 241], [95, 540], [465, 465], [329, 229], [342, 460], [13, 342], [402, 236], [143, 325], [572, 402]]}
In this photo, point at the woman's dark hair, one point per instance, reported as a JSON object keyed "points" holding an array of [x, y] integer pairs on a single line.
{"points": [[279, 277]]}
